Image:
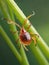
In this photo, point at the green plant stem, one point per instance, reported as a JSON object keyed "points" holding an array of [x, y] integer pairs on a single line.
{"points": [[13, 28], [21, 17], [10, 44], [38, 55]]}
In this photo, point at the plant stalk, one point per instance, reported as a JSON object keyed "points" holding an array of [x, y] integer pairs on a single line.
{"points": [[10, 44]]}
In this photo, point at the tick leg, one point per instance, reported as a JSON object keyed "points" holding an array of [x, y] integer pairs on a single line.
{"points": [[12, 22], [17, 39], [27, 19], [13, 32], [34, 34], [28, 27], [34, 39], [31, 15], [25, 47]]}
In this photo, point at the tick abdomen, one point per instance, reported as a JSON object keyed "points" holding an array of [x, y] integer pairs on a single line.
{"points": [[25, 37]]}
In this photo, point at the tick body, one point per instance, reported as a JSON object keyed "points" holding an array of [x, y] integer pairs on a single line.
{"points": [[25, 37]]}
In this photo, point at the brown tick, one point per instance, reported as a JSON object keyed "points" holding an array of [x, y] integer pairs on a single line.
{"points": [[24, 36]]}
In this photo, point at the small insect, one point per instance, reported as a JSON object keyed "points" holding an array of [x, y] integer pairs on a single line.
{"points": [[24, 36]]}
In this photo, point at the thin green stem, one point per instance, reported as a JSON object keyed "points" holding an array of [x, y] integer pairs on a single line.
{"points": [[10, 44], [21, 17], [3, 8], [38, 55]]}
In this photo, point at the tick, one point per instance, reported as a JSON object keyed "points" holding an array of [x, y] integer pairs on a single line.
{"points": [[24, 36]]}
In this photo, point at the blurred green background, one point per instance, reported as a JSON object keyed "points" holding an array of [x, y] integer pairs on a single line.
{"points": [[40, 21]]}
